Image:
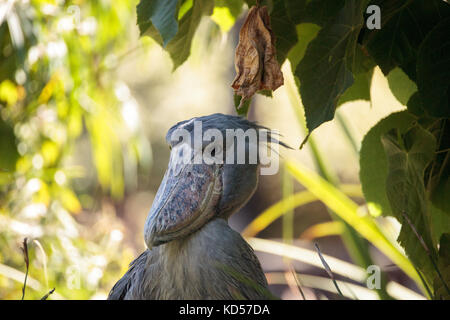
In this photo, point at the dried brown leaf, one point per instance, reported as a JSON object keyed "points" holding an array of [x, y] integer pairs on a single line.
{"points": [[255, 58]]}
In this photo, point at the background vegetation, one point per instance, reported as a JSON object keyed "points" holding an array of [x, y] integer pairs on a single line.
{"points": [[85, 103]]}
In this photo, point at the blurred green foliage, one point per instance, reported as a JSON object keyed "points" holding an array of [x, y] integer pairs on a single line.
{"points": [[333, 51], [71, 145], [58, 93]]}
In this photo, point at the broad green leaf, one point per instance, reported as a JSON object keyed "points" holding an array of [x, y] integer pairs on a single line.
{"points": [[440, 222], [438, 178], [415, 105], [184, 7], [283, 29], [295, 10], [404, 25], [433, 70], [363, 67], [347, 209], [359, 90], [325, 72], [440, 291], [321, 12], [226, 12], [408, 156], [153, 15], [373, 162], [306, 32], [441, 189], [179, 47], [401, 86], [158, 13], [223, 17], [234, 6]]}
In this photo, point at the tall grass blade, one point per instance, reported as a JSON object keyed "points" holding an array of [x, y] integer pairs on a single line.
{"points": [[345, 208]]}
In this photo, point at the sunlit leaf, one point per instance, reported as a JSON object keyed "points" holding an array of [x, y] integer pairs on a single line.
{"points": [[408, 156], [305, 33], [373, 163], [296, 200], [223, 17], [359, 90], [158, 13], [179, 47], [401, 86], [8, 92], [324, 229], [345, 208], [50, 152]]}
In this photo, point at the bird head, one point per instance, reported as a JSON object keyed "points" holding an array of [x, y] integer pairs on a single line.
{"points": [[212, 172]]}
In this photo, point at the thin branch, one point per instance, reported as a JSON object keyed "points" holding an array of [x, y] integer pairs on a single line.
{"points": [[327, 268]]}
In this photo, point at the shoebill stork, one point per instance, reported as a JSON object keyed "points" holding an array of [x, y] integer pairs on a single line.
{"points": [[192, 251]]}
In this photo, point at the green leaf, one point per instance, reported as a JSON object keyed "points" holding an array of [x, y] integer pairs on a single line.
{"points": [[360, 90], [325, 71], [153, 15], [235, 6], [283, 29], [158, 13], [321, 11], [404, 25], [306, 32], [373, 162], [439, 175], [401, 86], [440, 222], [433, 66], [347, 209], [440, 292], [179, 47], [266, 93], [415, 105], [296, 9], [243, 109], [226, 12], [408, 155]]}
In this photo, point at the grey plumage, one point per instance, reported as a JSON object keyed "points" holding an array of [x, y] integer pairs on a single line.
{"points": [[193, 253], [204, 269]]}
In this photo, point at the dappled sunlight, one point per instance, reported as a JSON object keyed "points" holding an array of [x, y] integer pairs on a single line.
{"points": [[85, 106]]}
